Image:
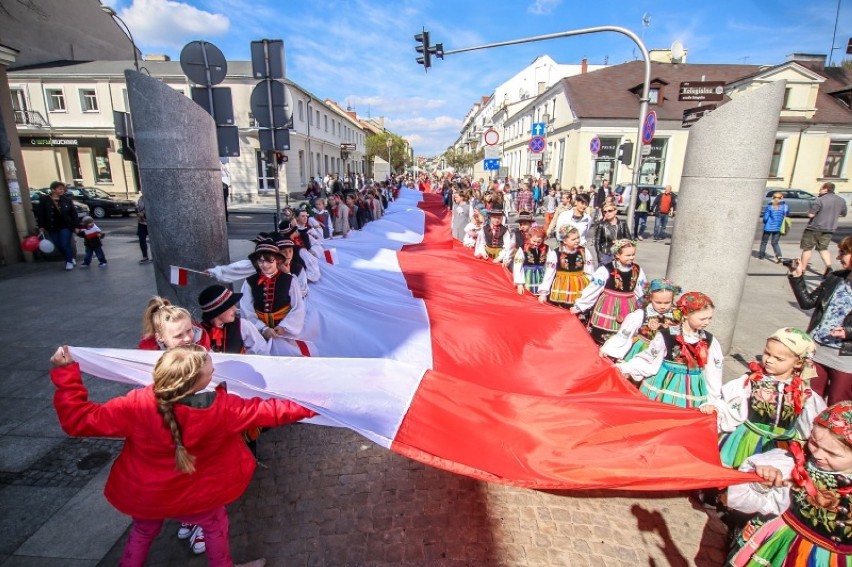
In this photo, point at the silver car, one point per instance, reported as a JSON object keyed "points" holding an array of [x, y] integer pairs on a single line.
{"points": [[799, 201]]}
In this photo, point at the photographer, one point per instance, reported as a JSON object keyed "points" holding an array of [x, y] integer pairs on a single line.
{"points": [[830, 325]]}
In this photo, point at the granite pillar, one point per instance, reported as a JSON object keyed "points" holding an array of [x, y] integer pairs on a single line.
{"points": [[179, 170], [720, 199]]}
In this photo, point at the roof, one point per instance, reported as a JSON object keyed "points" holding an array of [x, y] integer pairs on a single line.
{"points": [[612, 92]]}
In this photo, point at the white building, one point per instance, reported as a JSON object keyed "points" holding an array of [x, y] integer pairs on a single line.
{"points": [[64, 115]]}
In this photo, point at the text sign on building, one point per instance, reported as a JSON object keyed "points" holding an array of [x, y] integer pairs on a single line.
{"points": [[36, 141], [347, 147], [538, 129], [699, 91], [691, 115]]}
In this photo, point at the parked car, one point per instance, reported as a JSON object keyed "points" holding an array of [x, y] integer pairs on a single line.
{"points": [[101, 204], [35, 197], [622, 195], [799, 201]]}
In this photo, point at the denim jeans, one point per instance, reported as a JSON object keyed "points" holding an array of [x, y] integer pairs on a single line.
{"points": [[62, 240], [660, 226], [99, 252], [765, 239], [640, 221]]}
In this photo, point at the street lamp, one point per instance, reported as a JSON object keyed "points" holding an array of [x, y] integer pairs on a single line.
{"points": [[112, 13], [389, 144]]}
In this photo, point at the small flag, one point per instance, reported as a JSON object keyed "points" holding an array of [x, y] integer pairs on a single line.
{"points": [[179, 276], [331, 256]]}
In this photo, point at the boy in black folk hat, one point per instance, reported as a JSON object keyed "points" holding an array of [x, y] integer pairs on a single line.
{"points": [[518, 236], [494, 240], [227, 331]]}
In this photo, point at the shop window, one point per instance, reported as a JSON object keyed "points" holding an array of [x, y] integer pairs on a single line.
{"points": [[836, 158], [74, 159], [55, 100], [103, 173], [89, 100], [653, 166], [775, 166]]}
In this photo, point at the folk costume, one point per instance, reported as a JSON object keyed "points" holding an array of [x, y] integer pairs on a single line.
{"points": [[493, 241], [237, 337], [806, 522], [680, 369], [640, 327], [758, 412], [518, 236], [275, 302], [612, 294], [567, 273], [528, 266]]}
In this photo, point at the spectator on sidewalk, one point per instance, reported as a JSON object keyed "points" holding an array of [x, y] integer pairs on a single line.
{"points": [[57, 217], [664, 206], [525, 200], [824, 214], [773, 219], [640, 216], [93, 242], [607, 230], [142, 229], [578, 216]]}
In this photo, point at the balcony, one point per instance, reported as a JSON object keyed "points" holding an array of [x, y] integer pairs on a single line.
{"points": [[30, 118]]}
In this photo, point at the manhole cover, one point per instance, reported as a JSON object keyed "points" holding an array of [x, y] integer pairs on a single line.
{"points": [[93, 460]]}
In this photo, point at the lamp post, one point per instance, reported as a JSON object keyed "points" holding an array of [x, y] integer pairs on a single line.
{"points": [[389, 144], [112, 13]]}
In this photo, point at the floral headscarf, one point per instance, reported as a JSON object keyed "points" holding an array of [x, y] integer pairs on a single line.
{"points": [[693, 301], [621, 243], [838, 420], [565, 230], [661, 284]]}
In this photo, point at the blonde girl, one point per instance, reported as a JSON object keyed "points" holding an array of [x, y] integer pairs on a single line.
{"points": [[567, 270], [165, 326], [184, 457]]}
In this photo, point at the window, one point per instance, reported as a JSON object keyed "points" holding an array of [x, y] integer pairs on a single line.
{"points": [[301, 107], [74, 159], [334, 128], [835, 159], [325, 121], [103, 174], [787, 92], [775, 166], [55, 100], [653, 96], [317, 118], [88, 100], [265, 171]]}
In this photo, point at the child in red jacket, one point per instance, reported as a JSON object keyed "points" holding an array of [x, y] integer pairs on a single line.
{"points": [[189, 469]]}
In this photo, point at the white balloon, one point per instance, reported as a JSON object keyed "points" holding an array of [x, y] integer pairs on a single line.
{"points": [[46, 246]]}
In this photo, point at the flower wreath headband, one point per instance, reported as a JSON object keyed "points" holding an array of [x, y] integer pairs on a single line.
{"points": [[618, 245]]}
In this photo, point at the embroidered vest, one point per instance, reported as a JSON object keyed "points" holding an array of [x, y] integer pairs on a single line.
{"points": [[232, 338], [494, 239], [570, 261], [271, 300], [673, 347], [535, 256], [621, 281]]}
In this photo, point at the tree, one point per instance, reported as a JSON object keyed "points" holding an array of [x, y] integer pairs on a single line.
{"points": [[462, 161], [377, 146]]}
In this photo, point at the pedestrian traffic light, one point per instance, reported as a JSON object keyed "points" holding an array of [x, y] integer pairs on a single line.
{"points": [[424, 49], [280, 158], [625, 156]]}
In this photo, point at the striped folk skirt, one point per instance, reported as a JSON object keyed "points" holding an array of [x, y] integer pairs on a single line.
{"points": [[533, 275], [749, 439], [640, 343], [783, 541], [567, 287], [493, 252], [676, 385], [609, 312]]}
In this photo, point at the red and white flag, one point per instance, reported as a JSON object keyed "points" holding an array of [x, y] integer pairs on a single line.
{"points": [[331, 256], [434, 356], [178, 276]]}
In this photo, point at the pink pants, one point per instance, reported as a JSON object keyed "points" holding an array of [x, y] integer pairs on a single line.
{"points": [[214, 523], [833, 385]]}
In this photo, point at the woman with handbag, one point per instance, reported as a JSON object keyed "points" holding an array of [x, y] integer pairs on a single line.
{"points": [[830, 326], [774, 224]]}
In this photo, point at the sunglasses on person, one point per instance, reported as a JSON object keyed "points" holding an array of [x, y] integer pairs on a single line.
{"points": [[267, 260], [609, 210]]}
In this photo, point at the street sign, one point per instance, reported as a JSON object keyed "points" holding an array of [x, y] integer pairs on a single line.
{"points": [[347, 147], [537, 144], [491, 152], [646, 150], [491, 164], [700, 91], [691, 115], [538, 129], [649, 127], [272, 105], [595, 146], [491, 137]]}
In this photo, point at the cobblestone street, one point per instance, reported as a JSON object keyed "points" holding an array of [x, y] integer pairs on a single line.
{"points": [[329, 497]]}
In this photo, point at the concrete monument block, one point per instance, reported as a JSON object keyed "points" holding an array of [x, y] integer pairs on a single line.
{"points": [[180, 174], [720, 198]]}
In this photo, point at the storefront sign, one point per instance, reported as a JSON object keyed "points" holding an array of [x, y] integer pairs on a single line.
{"points": [[45, 141]]}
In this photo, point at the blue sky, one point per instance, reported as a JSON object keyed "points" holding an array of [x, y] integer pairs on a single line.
{"points": [[361, 52]]}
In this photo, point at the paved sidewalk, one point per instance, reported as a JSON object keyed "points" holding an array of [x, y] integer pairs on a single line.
{"points": [[328, 497]]}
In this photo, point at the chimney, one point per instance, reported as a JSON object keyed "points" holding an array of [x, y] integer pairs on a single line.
{"points": [[584, 66], [813, 61], [157, 57]]}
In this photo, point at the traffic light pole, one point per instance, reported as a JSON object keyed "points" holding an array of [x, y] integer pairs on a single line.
{"points": [[643, 106]]}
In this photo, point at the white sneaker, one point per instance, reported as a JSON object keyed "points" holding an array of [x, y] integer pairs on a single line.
{"points": [[185, 530], [196, 541], [69, 266]]}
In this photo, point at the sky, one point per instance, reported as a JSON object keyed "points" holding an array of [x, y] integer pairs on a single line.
{"points": [[360, 53]]}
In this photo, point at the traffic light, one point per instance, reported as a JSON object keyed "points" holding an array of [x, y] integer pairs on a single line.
{"points": [[280, 158], [625, 156], [424, 49]]}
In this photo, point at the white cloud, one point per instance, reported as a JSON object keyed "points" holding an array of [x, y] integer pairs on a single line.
{"points": [[543, 7], [394, 105], [424, 124], [170, 24]]}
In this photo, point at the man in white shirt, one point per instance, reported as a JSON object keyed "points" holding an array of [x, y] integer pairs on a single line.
{"points": [[576, 216]]}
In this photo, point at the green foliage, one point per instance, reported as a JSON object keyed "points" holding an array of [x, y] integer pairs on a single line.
{"points": [[377, 146], [463, 161]]}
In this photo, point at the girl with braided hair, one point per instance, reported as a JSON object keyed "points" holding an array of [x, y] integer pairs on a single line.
{"points": [[184, 457], [772, 404], [803, 504]]}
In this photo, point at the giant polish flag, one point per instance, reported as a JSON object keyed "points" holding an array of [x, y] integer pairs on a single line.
{"points": [[432, 354]]}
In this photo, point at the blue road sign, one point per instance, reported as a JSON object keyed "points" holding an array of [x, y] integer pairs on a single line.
{"points": [[595, 145], [537, 144], [649, 127], [538, 129], [489, 164]]}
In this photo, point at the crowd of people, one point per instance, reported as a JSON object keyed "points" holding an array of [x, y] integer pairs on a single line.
{"points": [[772, 420]]}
